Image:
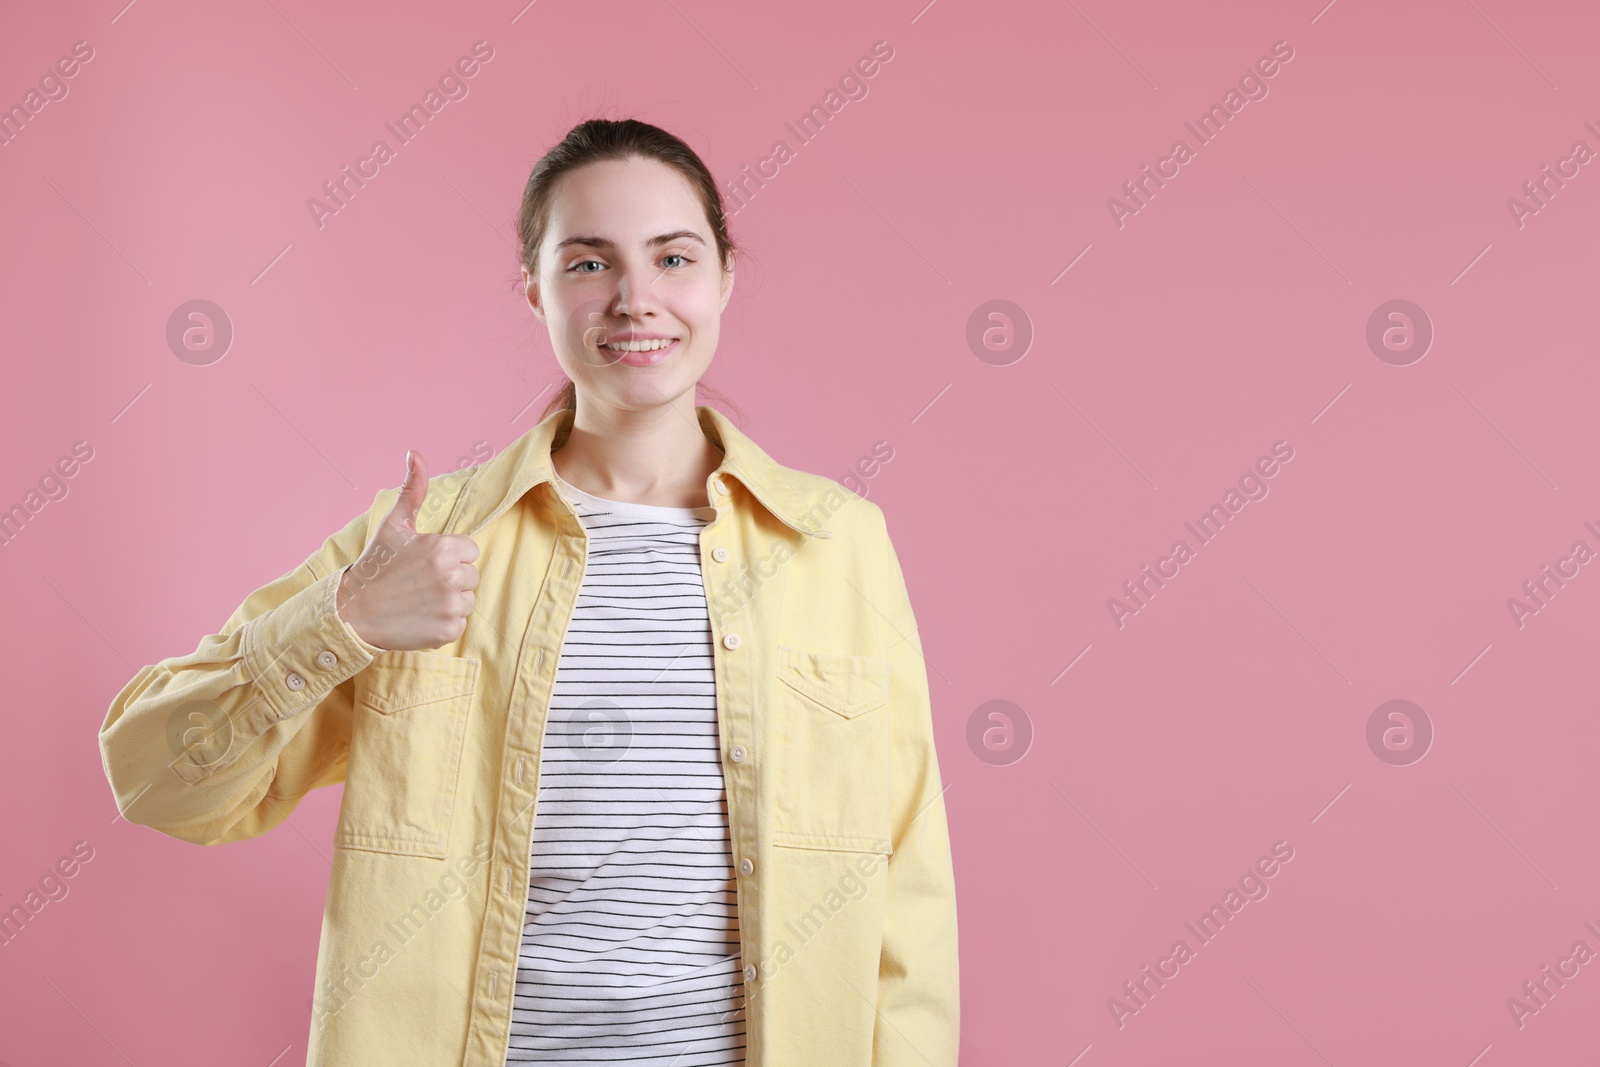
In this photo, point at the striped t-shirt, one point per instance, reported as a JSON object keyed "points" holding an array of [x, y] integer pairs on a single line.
{"points": [[630, 942]]}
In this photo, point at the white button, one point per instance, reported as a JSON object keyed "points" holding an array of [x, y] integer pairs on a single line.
{"points": [[731, 641], [746, 867], [295, 681], [737, 752], [327, 660], [719, 554], [720, 486], [749, 972]]}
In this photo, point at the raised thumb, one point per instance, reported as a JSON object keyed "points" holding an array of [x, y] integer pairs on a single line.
{"points": [[412, 492]]}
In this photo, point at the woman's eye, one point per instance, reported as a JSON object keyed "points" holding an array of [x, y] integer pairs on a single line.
{"points": [[577, 267]]}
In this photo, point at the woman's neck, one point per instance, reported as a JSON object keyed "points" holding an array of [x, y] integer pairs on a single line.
{"points": [[656, 457]]}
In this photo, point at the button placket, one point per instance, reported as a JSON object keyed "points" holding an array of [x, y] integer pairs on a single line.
{"points": [[576, 552], [737, 753]]}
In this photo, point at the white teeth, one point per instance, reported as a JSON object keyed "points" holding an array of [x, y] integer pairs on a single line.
{"points": [[638, 346]]}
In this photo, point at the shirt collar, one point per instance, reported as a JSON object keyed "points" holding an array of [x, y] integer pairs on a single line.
{"points": [[793, 497]]}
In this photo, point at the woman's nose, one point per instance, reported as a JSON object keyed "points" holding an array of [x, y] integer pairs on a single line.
{"points": [[636, 292]]}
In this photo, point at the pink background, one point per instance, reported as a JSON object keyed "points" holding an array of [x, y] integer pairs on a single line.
{"points": [[1226, 315]]}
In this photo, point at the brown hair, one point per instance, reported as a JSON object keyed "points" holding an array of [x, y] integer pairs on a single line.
{"points": [[594, 141]]}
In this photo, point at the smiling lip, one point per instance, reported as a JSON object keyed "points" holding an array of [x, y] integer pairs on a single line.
{"points": [[644, 359]]}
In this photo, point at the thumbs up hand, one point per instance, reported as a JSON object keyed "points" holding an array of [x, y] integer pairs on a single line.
{"points": [[410, 590]]}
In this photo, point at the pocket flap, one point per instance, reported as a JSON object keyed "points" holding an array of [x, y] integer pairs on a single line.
{"points": [[397, 680], [847, 685]]}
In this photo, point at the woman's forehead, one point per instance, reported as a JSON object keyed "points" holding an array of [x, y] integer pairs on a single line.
{"points": [[629, 201]]}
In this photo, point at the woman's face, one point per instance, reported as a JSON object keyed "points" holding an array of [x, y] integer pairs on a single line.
{"points": [[628, 256]]}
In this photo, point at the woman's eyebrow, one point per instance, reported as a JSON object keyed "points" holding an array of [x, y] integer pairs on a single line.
{"points": [[660, 239]]}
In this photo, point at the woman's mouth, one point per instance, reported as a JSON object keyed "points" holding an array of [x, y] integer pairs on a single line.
{"points": [[641, 353]]}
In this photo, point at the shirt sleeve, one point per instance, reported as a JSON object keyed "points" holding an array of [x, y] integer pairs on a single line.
{"points": [[918, 1021], [221, 744]]}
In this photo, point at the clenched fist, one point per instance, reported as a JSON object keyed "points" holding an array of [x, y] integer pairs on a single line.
{"points": [[410, 590]]}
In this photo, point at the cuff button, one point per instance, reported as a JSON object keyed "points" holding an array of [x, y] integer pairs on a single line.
{"points": [[295, 682], [327, 660]]}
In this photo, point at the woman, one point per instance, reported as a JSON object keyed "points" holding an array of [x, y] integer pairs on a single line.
{"points": [[632, 720]]}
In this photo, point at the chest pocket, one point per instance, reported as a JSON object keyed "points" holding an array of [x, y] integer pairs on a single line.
{"points": [[831, 726], [406, 739]]}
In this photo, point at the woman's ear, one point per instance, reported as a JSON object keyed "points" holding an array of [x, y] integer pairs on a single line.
{"points": [[530, 288], [727, 282]]}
